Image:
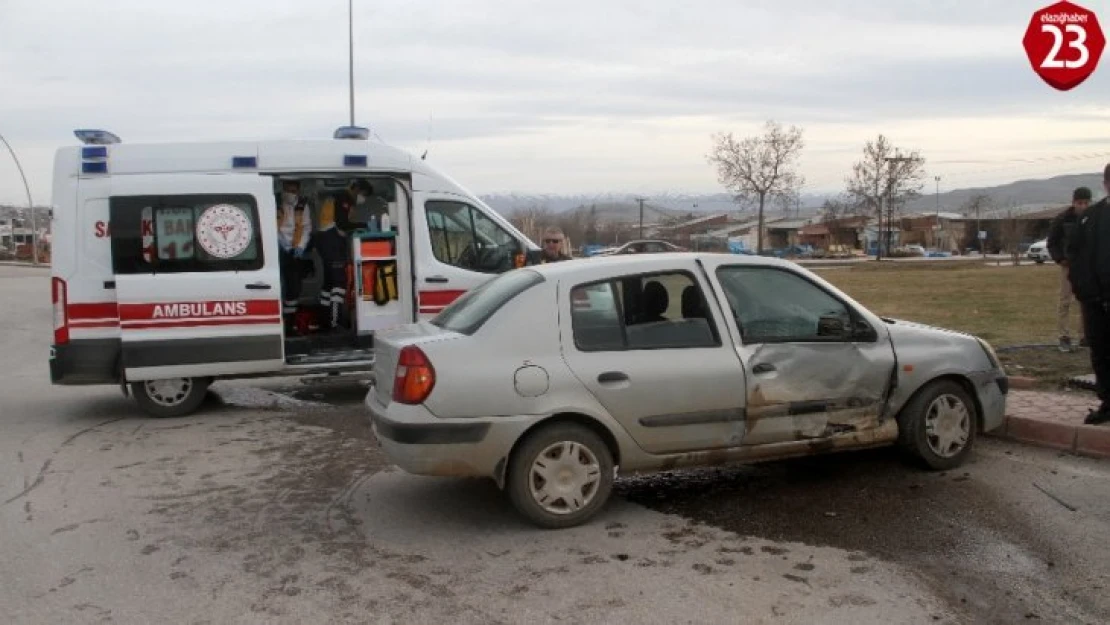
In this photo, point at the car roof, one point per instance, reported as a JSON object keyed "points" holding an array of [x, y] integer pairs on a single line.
{"points": [[598, 266]]}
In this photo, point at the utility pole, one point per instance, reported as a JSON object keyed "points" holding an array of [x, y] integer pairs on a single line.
{"points": [[30, 204], [351, 55], [641, 201], [937, 238]]}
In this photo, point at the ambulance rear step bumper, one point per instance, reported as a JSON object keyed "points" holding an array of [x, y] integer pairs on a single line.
{"points": [[331, 357]]}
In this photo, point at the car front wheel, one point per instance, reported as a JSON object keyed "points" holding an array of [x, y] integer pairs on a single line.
{"points": [[561, 476], [939, 425], [173, 397]]}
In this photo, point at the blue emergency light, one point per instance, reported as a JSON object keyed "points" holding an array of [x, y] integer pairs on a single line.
{"points": [[244, 162], [91, 136], [352, 132], [354, 160]]}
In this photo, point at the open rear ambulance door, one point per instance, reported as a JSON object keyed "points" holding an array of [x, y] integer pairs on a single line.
{"points": [[196, 266]]}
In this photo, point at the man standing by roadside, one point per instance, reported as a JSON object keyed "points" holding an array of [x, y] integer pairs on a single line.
{"points": [[1088, 255], [1063, 226], [553, 246]]}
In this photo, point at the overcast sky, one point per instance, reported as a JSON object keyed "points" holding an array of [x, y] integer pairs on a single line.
{"points": [[558, 97]]}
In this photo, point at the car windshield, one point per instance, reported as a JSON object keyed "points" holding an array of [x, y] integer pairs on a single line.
{"points": [[466, 314]]}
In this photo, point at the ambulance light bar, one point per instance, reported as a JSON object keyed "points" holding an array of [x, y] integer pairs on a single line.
{"points": [[96, 137], [352, 132]]}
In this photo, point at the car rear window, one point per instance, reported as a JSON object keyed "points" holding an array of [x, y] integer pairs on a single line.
{"points": [[466, 314]]}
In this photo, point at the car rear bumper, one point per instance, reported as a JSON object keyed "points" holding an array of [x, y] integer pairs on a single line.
{"points": [[421, 443]]}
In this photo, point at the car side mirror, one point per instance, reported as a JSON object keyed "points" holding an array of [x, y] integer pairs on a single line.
{"points": [[531, 257], [832, 326]]}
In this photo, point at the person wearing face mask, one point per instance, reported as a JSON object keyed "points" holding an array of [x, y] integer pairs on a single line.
{"points": [[333, 242], [294, 230]]}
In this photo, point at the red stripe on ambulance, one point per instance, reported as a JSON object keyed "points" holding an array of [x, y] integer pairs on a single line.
{"points": [[435, 301]]}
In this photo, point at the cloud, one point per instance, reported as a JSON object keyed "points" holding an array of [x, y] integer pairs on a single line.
{"points": [[578, 95]]}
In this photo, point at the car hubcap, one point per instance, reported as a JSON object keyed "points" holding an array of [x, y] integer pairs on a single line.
{"points": [[170, 392], [947, 426], [564, 477]]}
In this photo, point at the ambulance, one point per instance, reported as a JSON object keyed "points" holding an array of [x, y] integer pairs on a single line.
{"points": [[167, 270]]}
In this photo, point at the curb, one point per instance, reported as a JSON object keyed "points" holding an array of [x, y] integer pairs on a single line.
{"points": [[1085, 440], [16, 263]]}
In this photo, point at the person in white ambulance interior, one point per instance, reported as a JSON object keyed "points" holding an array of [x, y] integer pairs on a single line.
{"points": [[333, 244], [294, 232]]}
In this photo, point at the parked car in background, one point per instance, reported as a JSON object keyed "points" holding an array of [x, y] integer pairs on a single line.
{"points": [[1038, 252], [647, 246], [658, 362]]}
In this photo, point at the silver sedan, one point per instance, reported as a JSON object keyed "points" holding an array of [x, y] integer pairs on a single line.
{"points": [[551, 378]]}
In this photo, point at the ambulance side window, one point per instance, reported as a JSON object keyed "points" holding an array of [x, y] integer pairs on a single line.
{"points": [[465, 237], [185, 233]]}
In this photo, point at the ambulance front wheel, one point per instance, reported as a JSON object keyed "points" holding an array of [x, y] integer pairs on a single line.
{"points": [[174, 397]]}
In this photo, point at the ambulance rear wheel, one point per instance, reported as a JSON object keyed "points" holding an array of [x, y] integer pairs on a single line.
{"points": [[173, 397]]}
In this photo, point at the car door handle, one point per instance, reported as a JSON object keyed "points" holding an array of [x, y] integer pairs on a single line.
{"points": [[763, 367], [259, 286], [612, 376], [436, 280]]}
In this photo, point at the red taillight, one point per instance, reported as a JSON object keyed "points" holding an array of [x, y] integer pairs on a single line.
{"points": [[61, 321], [415, 377]]}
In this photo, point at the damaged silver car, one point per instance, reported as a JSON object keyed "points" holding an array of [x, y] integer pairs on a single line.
{"points": [[549, 379]]}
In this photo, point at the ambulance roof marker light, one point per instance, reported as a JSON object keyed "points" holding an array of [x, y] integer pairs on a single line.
{"points": [[90, 136], [352, 132]]}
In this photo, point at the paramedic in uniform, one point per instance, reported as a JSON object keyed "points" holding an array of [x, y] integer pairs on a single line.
{"points": [[333, 244], [294, 231]]}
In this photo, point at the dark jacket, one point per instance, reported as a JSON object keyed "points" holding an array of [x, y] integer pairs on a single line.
{"points": [[1088, 254], [1062, 226]]}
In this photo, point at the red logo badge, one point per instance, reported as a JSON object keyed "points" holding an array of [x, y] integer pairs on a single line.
{"points": [[1064, 43]]}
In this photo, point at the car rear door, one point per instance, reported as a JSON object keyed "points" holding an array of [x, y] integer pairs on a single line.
{"points": [[672, 380], [459, 246], [196, 270], [815, 366]]}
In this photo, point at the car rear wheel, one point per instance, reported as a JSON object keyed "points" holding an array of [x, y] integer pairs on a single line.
{"points": [[939, 425], [560, 476], [173, 397]]}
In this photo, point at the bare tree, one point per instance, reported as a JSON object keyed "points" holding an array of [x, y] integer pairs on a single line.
{"points": [[837, 207], [1012, 233], [532, 220], [759, 168], [885, 174]]}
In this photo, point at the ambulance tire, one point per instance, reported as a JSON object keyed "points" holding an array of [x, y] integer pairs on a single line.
{"points": [[170, 398]]}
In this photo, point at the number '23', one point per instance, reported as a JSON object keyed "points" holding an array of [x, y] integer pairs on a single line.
{"points": [[1079, 43]]}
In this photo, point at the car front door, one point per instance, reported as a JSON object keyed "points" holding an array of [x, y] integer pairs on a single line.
{"points": [[657, 358], [815, 366], [458, 247]]}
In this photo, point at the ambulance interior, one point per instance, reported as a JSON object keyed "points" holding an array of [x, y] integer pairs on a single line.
{"points": [[369, 292]]}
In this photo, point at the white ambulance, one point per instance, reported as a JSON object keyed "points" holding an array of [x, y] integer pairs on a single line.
{"points": [[166, 260]]}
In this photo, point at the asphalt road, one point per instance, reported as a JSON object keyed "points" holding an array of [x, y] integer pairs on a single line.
{"points": [[275, 506]]}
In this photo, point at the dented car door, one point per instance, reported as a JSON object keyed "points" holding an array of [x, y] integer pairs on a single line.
{"points": [[815, 366]]}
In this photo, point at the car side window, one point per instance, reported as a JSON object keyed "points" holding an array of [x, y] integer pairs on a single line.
{"points": [[779, 306], [465, 237], [654, 311]]}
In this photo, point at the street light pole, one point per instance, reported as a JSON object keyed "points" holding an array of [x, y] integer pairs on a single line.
{"points": [[351, 56], [30, 204]]}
